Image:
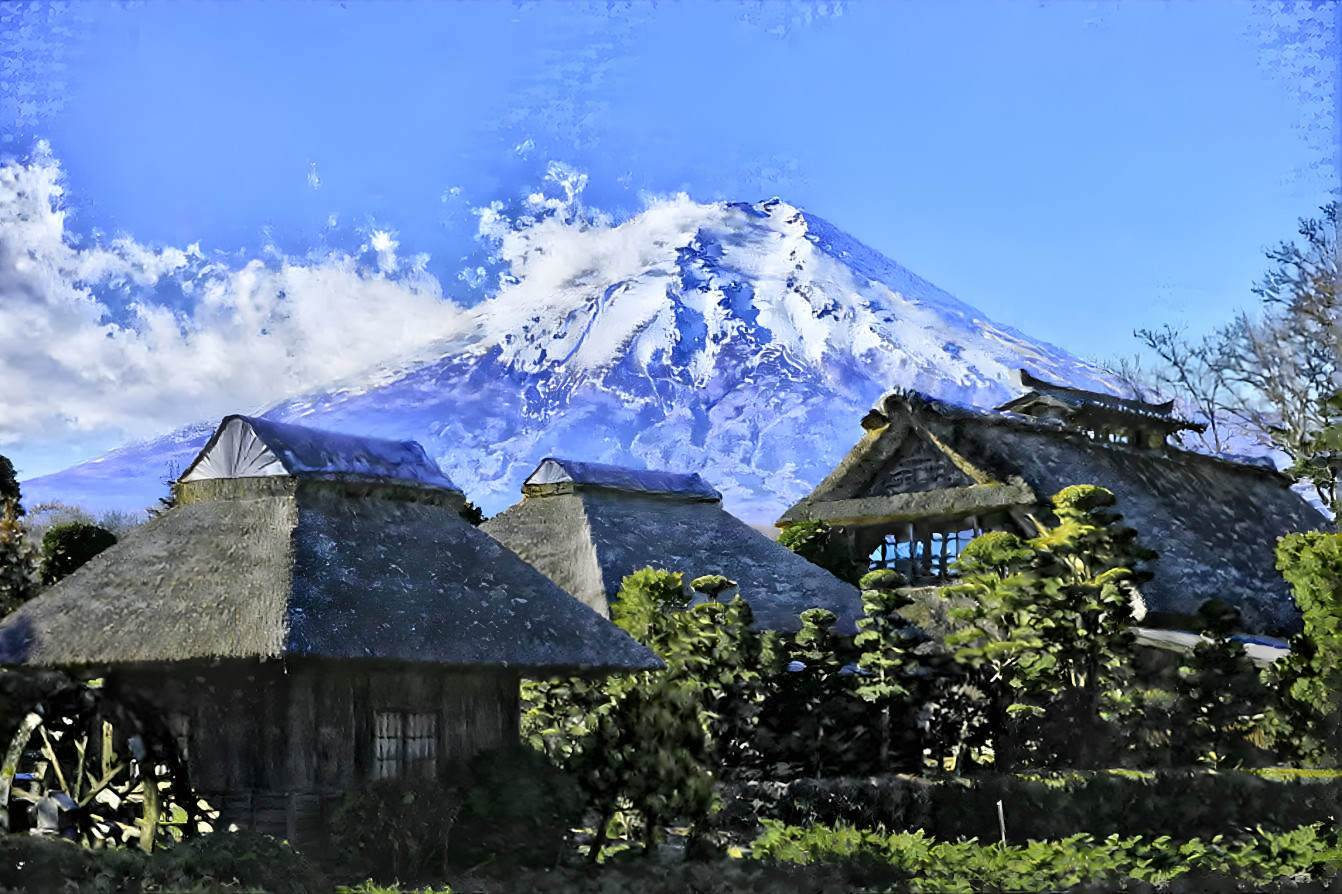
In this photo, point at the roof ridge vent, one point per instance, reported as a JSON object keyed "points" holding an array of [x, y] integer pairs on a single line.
{"points": [[557, 475], [252, 447]]}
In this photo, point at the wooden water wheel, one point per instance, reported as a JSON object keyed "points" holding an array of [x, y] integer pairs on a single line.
{"points": [[98, 767]]}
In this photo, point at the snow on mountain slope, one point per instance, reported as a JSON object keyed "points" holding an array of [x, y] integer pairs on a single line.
{"points": [[740, 341]]}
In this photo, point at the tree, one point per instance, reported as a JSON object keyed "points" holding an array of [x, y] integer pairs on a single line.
{"points": [[20, 564], [169, 500], [67, 547], [820, 544], [1001, 645], [886, 662], [642, 742], [1274, 375], [1050, 625], [1222, 699], [1309, 680], [1199, 371], [9, 486]]}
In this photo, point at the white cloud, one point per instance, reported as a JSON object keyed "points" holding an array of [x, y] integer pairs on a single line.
{"points": [[385, 246], [313, 180], [245, 337]]}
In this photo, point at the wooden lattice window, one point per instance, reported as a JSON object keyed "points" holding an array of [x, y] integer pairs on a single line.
{"points": [[406, 745]]}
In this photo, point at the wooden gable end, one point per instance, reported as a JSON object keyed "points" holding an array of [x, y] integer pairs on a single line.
{"points": [[917, 466]]}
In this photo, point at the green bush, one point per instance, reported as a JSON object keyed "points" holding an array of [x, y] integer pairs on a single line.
{"points": [[233, 860], [518, 806], [391, 829], [1113, 863], [66, 547], [223, 861], [46, 863], [1177, 803]]}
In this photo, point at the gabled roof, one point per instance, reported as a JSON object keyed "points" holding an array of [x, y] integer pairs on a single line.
{"points": [[1214, 522], [276, 566], [555, 471], [1086, 402], [588, 539], [252, 447]]}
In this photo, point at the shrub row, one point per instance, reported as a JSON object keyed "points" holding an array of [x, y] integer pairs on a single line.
{"points": [[222, 861], [911, 861], [1182, 804]]}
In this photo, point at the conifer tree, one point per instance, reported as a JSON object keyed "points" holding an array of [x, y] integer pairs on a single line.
{"points": [[1050, 624], [1309, 680]]}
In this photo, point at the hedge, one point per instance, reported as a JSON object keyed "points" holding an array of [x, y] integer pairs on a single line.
{"points": [[1182, 804]]}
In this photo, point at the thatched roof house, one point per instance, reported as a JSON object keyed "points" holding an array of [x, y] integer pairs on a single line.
{"points": [[315, 612], [588, 525], [928, 476]]}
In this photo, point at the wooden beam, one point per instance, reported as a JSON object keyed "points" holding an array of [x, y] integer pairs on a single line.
{"points": [[949, 502]]}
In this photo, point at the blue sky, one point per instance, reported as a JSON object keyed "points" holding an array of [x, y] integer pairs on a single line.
{"points": [[1074, 169]]}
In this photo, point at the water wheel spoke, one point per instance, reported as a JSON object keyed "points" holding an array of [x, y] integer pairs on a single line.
{"points": [[49, 750], [99, 786]]}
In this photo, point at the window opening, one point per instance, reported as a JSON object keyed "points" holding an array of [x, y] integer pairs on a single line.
{"points": [[925, 554], [406, 745]]}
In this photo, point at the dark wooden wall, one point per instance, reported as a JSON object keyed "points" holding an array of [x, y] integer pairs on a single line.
{"points": [[275, 744]]}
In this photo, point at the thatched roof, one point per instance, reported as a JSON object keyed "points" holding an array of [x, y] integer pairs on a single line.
{"points": [[281, 566], [588, 539], [1215, 523]]}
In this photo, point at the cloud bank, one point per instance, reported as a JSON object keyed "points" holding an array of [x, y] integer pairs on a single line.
{"points": [[117, 338]]}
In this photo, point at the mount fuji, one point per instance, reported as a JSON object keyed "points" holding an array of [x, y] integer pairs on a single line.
{"points": [[744, 342]]}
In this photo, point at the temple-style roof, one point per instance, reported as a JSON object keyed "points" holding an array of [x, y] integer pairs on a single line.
{"points": [[1214, 522], [362, 565], [249, 447], [554, 475], [1049, 400], [589, 538]]}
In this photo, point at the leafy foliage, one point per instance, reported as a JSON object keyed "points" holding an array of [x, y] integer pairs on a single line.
{"points": [[642, 741], [394, 828], [20, 563], [517, 805], [1223, 701], [69, 546], [930, 865], [1048, 632], [1309, 679], [820, 544], [9, 486]]}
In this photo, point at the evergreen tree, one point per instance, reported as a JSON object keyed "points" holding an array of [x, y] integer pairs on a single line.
{"points": [[68, 546], [886, 662], [1001, 645], [1308, 681], [1050, 624], [820, 544], [20, 565], [9, 486], [1222, 699]]}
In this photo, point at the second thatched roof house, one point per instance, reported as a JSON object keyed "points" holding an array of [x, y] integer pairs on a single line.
{"points": [[587, 526], [314, 612], [928, 476]]}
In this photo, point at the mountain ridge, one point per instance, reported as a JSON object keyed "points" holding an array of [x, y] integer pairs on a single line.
{"points": [[740, 341]]}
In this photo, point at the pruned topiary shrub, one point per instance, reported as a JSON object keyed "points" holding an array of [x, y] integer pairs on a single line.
{"points": [[518, 808]]}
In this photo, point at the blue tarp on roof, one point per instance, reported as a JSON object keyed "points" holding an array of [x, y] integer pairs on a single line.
{"points": [[553, 470], [247, 447]]}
